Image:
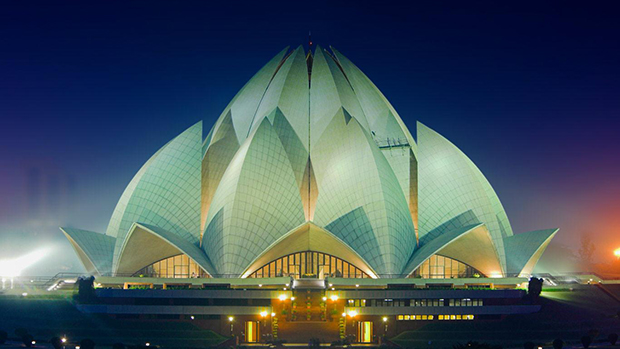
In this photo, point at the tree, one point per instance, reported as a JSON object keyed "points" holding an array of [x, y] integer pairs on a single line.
{"points": [[586, 250], [558, 344], [612, 338], [586, 341], [534, 288], [86, 289]]}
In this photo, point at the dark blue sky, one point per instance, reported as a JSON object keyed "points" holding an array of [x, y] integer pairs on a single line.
{"points": [[89, 91]]}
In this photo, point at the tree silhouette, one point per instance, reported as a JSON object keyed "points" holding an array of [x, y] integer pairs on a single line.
{"points": [[586, 250]]}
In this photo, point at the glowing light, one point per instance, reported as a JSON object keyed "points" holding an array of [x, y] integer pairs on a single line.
{"points": [[147, 344], [292, 298], [77, 347], [273, 314], [33, 342], [352, 313], [344, 314], [63, 339], [24, 294], [324, 298], [333, 297], [330, 285], [617, 253], [263, 313], [192, 317], [260, 285], [385, 319], [282, 297], [14, 267], [230, 318], [357, 285], [495, 275]]}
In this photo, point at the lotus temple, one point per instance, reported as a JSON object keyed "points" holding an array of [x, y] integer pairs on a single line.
{"points": [[310, 201]]}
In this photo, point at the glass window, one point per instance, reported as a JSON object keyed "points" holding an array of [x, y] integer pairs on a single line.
{"points": [[309, 264]]}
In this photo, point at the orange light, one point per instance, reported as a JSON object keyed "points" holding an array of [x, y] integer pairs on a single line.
{"points": [[617, 253]]}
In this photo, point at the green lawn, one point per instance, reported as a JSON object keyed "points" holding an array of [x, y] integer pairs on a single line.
{"points": [[565, 314], [45, 318]]}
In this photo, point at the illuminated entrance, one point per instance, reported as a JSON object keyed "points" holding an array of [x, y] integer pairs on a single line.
{"points": [[309, 264], [364, 331], [251, 331]]}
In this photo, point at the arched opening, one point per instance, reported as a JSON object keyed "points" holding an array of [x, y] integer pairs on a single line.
{"points": [[179, 266], [309, 264], [441, 267]]}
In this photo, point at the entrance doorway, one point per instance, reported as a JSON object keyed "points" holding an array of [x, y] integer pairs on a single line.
{"points": [[251, 331], [364, 331]]}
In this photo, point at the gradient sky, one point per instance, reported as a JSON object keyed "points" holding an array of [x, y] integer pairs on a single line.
{"points": [[89, 91]]}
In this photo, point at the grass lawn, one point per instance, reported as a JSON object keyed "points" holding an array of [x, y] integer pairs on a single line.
{"points": [[565, 314], [45, 318]]}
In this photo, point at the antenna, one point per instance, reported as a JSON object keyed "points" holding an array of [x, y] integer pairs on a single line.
{"points": [[309, 40]]}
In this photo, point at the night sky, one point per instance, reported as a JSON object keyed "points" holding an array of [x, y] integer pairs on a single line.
{"points": [[88, 92]]}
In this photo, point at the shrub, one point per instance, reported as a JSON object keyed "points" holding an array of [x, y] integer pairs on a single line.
{"points": [[87, 344], [558, 344], [27, 340], [56, 342], [586, 341], [612, 338]]}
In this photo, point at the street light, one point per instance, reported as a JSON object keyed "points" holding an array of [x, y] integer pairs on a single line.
{"points": [[230, 319], [385, 322], [617, 253]]}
